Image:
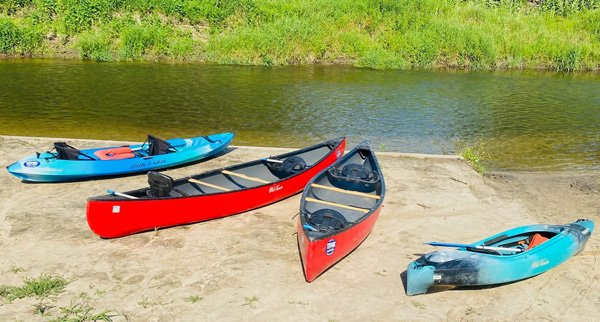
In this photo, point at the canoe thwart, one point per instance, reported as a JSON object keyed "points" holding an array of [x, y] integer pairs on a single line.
{"points": [[350, 192], [329, 203], [208, 184], [243, 176]]}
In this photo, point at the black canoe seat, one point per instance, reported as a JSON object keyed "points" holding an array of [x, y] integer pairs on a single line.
{"points": [[291, 165], [327, 220], [161, 185], [353, 176]]}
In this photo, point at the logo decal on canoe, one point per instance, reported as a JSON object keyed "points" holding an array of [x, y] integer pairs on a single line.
{"points": [[116, 209], [31, 164], [540, 263], [338, 153], [330, 247], [275, 188]]}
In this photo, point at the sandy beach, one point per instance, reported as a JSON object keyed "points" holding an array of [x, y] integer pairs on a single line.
{"points": [[247, 268]]}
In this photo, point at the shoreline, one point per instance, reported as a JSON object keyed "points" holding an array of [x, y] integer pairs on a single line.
{"points": [[499, 67], [247, 267]]}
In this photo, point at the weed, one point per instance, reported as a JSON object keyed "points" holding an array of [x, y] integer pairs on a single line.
{"points": [[418, 305], [42, 287], [80, 311], [194, 298], [250, 301], [145, 303], [17, 270], [475, 155]]}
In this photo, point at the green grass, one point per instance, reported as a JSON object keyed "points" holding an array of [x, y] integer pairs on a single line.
{"points": [[193, 298], [81, 311], [562, 35], [41, 287], [475, 155]]}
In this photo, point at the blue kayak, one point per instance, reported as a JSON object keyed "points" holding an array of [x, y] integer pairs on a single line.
{"points": [[66, 163], [510, 256]]}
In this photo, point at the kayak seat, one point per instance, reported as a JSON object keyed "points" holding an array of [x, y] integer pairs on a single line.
{"points": [[536, 240], [157, 146], [115, 153], [327, 220], [67, 152]]}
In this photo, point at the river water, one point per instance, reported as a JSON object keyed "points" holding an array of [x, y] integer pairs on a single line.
{"points": [[536, 121]]}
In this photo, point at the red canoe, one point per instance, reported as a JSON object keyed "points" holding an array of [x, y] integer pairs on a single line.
{"points": [[338, 210], [214, 194]]}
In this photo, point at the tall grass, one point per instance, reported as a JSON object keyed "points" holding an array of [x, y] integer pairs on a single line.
{"points": [[562, 35]]}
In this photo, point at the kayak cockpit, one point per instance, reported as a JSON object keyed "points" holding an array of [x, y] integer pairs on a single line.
{"points": [[515, 244]]}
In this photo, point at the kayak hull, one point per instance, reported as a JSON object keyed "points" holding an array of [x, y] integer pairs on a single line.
{"points": [[469, 267], [48, 168]]}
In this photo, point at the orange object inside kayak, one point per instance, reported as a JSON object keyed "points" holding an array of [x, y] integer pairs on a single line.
{"points": [[536, 240], [115, 153]]}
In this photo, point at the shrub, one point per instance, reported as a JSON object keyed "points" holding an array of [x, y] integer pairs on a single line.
{"points": [[9, 36], [80, 15], [94, 46]]}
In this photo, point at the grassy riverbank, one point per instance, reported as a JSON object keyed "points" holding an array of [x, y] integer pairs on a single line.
{"points": [[483, 34]]}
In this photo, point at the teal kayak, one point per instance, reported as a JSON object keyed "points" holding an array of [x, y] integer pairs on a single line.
{"points": [[66, 163], [510, 256]]}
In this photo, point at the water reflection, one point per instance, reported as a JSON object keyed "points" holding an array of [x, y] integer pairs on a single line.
{"points": [[528, 120]]}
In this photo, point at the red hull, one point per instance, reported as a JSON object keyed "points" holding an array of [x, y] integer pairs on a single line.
{"points": [[118, 218], [315, 259]]}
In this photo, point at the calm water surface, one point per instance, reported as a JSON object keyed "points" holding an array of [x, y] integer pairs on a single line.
{"points": [[526, 120]]}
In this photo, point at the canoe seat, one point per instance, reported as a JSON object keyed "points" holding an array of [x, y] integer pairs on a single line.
{"points": [[327, 220], [160, 184], [535, 240], [291, 165], [353, 177], [119, 153]]}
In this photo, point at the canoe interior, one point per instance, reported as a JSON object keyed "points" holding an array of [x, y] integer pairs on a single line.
{"points": [[341, 191], [239, 177]]}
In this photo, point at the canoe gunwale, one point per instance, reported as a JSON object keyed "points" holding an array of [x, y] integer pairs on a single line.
{"points": [[332, 144]]}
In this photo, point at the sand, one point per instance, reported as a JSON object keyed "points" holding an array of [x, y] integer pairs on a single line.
{"points": [[247, 268]]}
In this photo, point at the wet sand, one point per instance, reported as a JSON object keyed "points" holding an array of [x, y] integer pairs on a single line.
{"points": [[247, 268]]}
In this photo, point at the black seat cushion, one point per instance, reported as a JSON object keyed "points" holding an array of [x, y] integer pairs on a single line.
{"points": [[160, 185], [157, 146], [289, 166], [66, 152], [327, 220]]}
